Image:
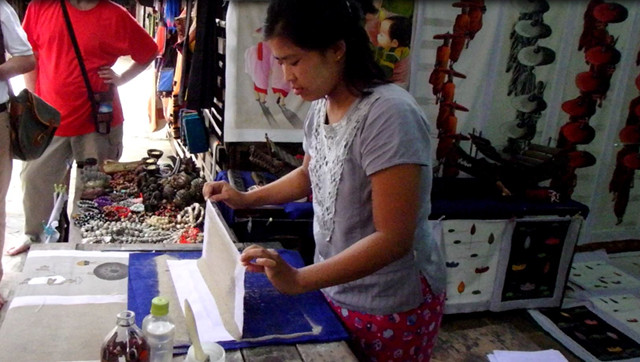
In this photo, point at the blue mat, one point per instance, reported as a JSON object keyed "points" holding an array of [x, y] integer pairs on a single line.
{"points": [[266, 311]]}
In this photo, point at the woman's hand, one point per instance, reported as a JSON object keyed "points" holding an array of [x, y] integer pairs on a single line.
{"points": [[223, 191], [283, 276]]}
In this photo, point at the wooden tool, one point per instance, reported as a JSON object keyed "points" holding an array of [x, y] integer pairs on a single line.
{"points": [[193, 333]]}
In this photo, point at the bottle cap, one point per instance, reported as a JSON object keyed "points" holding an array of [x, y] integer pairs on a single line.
{"points": [[160, 306]]}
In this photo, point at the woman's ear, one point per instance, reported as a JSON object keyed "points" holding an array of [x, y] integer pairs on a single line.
{"points": [[339, 49]]}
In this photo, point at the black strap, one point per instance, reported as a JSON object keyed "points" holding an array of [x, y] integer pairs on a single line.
{"points": [[76, 48]]}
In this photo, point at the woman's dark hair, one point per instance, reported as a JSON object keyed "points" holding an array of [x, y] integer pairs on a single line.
{"points": [[316, 25]]}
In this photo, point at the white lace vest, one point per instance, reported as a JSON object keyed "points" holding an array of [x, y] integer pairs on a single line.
{"points": [[329, 145]]}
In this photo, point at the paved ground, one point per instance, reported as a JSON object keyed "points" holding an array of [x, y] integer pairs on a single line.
{"points": [[137, 139]]}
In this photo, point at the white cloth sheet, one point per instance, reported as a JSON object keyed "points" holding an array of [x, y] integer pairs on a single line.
{"points": [[72, 277]]}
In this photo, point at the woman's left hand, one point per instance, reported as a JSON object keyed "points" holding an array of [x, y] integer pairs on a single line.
{"points": [[109, 76], [283, 276]]}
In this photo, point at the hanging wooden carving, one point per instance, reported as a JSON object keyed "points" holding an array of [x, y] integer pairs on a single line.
{"points": [[465, 27], [602, 57], [525, 55], [628, 158]]}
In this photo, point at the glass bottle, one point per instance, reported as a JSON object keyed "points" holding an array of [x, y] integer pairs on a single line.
{"points": [[159, 330], [125, 342]]}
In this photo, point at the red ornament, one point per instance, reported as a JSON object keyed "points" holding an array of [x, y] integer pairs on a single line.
{"points": [[580, 107], [610, 13], [578, 132], [632, 161], [630, 134]]}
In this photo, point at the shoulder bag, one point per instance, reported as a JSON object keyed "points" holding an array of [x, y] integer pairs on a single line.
{"points": [[33, 124]]}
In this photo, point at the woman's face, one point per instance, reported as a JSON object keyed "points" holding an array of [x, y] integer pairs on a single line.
{"points": [[312, 74]]}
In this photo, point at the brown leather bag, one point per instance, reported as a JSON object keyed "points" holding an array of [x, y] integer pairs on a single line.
{"points": [[33, 124], [33, 121]]}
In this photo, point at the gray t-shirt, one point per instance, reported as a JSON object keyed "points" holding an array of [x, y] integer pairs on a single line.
{"points": [[391, 130]]}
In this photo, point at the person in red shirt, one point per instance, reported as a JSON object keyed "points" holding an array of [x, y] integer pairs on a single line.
{"points": [[105, 32]]}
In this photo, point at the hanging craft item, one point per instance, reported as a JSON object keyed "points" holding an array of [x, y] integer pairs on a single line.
{"points": [[447, 123], [627, 159], [602, 57], [526, 53], [529, 109], [466, 25], [524, 56]]}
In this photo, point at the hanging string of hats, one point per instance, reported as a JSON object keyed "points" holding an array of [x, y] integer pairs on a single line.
{"points": [[465, 27], [628, 158], [524, 56], [602, 57]]}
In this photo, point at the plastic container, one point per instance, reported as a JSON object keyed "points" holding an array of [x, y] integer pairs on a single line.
{"points": [[125, 342], [159, 331], [213, 350]]}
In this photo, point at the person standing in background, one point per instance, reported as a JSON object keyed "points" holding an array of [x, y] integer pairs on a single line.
{"points": [[13, 41], [105, 32]]}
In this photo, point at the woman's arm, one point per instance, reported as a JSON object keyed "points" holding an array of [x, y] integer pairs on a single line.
{"points": [[395, 194], [111, 77], [293, 186]]}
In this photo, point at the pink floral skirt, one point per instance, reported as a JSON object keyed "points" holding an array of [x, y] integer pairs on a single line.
{"points": [[406, 336]]}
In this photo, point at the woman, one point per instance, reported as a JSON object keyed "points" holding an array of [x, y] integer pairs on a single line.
{"points": [[368, 165]]}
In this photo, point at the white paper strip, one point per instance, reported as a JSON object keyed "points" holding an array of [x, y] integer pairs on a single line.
{"points": [[42, 300], [78, 253]]}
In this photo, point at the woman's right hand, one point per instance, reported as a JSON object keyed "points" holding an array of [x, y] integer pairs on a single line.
{"points": [[223, 191]]}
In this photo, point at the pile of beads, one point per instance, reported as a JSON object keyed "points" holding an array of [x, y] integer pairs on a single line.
{"points": [[125, 232], [130, 206]]}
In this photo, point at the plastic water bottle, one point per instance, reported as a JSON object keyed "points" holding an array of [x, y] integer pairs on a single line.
{"points": [[159, 331]]}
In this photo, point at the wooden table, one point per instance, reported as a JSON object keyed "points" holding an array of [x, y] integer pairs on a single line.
{"points": [[84, 342]]}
